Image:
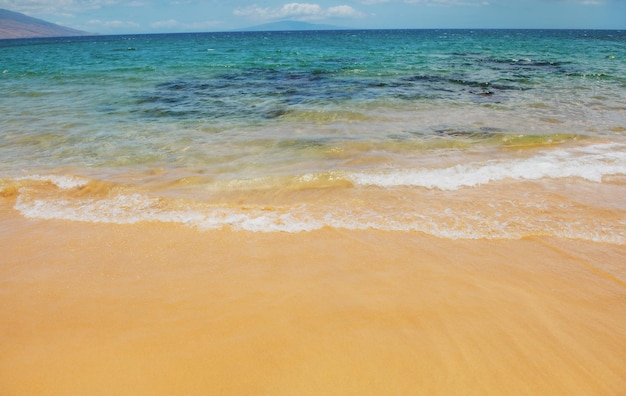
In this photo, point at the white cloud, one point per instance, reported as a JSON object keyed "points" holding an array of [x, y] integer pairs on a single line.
{"points": [[297, 9], [58, 7], [169, 24], [301, 11], [65, 15], [450, 3], [138, 3], [584, 2], [173, 24], [35, 6], [370, 2], [113, 24], [344, 11]]}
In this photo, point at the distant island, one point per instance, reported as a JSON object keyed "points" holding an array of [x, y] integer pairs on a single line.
{"points": [[288, 26], [16, 25]]}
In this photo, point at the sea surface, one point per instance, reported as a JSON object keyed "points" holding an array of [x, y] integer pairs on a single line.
{"points": [[462, 134]]}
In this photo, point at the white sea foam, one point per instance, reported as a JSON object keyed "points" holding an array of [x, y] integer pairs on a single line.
{"points": [[451, 223], [498, 218], [591, 163], [134, 208], [121, 209]]}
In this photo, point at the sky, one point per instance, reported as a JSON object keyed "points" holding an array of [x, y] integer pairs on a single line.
{"points": [[169, 16]]}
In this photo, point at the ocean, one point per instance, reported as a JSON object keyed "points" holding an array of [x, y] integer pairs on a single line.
{"points": [[294, 131], [328, 212]]}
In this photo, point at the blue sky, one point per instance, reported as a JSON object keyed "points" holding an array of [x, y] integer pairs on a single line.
{"points": [[155, 16]]}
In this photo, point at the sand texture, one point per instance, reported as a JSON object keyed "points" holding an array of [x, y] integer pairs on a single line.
{"points": [[163, 309]]}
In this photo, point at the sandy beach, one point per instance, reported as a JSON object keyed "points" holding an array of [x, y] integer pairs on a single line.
{"points": [[161, 309], [349, 212]]}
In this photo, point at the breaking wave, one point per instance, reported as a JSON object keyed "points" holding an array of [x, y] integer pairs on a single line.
{"points": [[590, 163]]}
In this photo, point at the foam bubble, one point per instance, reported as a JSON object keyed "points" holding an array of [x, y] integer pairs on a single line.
{"points": [[134, 208], [450, 223], [122, 209], [590, 163]]}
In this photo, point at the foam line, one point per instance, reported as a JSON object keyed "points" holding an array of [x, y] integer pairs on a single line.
{"points": [[590, 163]]}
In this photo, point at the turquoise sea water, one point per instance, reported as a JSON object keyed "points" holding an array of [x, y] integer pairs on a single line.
{"points": [[456, 133]]}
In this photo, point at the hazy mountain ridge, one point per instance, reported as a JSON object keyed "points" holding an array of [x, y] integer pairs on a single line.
{"points": [[16, 25]]}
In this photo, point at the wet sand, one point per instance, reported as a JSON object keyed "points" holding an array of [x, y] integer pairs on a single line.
{"points": [[155, 308]]}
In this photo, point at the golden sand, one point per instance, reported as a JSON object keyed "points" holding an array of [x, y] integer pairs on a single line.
{"points": [[160, 309]]}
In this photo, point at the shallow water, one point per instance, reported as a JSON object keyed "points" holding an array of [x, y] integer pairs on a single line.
{"points": [[298, 131]]}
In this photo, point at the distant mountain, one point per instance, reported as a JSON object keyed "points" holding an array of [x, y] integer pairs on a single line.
{"points": [[16, 25], [288, 26]]}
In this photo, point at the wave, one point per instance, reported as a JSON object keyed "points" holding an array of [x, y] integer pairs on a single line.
{"points": [[590, 163], [500, 220], [463, 201]]}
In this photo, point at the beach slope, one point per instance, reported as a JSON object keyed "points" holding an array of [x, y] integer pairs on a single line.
{"points": [[155, 308]]}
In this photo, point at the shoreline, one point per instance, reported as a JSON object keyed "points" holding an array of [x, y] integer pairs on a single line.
{"points": [[159, 308]]}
